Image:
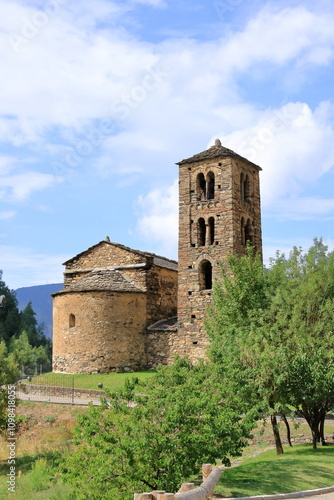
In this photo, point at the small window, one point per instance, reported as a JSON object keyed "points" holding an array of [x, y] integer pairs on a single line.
{"points": [[248, 232], [246, 189], [205, 275], [242, 187], [201, 187], [211, 230], [243, 235], [72, 321], [210, 179], [201, 232]]}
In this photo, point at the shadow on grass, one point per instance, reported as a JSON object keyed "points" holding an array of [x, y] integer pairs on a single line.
{"points": [[25, 463]]}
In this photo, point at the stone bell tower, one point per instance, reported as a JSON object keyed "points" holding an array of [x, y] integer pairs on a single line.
{"points": [[219, 211]]}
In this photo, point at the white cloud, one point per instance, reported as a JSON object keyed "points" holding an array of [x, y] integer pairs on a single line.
{"points": [[158, 222], [152, 3], [23, 267], [295, 146], [20, 186], [7, 215]]}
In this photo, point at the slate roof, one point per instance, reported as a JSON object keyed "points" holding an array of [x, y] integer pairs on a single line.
{"points": [[157, 259], [216, 151], [102, 280]]}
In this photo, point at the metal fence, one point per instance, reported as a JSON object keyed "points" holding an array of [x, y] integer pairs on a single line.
{"points": [[46, 388]]}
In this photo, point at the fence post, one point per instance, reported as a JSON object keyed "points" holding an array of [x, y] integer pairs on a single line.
{"points": [[156, 494], [206, 470], [186, 487], [72, 390], [142, 496]]}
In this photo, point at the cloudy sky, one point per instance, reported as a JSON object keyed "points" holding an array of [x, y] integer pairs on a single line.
{"points": [[100, 98]]}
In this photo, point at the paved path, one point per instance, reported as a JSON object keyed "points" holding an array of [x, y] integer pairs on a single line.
{"points": [[326, 496], [59, 400]]}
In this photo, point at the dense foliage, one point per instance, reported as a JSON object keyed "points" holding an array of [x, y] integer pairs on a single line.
{"points": [[21, 334], [272, 333], [155, 434]]}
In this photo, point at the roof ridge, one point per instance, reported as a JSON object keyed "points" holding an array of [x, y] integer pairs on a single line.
{"points": [[214, 151]]}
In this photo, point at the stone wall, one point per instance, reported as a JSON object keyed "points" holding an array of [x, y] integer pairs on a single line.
{"points": [[102, 255], [161, 288], [108, 332]]}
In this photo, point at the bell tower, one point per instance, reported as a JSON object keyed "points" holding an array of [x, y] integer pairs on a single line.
{"points": [[219, 211]]}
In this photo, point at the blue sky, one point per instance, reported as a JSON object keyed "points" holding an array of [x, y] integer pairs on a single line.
{"points": [[100, 99]]}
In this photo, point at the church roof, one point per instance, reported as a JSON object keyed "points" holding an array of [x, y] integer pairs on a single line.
{"points": [[216, 151], [102, 280], [157, 259]]}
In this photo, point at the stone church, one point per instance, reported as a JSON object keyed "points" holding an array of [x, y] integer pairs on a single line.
{"points": [[126, 310]]}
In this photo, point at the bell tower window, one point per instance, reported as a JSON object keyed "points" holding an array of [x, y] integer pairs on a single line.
{"points": [[205, 275], [211, 230], [244, 187], [210, 179], [201, 232], [248, 232], [201, 187]]}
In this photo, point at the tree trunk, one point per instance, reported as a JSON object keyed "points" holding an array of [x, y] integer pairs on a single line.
{"points": [[278, 442], [322, 430], [288, 431]]}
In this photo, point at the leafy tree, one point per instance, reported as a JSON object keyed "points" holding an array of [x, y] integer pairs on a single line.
{"points": [[27, 356], [28, 323], [242, 347], [8, 375], [272, 333], [155, 434], [9, 314], [303, 309]]}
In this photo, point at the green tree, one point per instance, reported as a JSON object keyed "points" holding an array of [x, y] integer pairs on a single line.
{"points": [[28, 323], [27, 356], [8, 375], [9, 313], [242, 347], [272, 333], [154, 435], [303, 310]]}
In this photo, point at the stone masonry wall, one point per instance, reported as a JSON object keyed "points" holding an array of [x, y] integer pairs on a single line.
{"points": [[108, 332], [161, 294], [99, 256]]}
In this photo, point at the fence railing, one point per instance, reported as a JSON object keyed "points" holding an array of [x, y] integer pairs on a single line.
{"points": [[188, 491]]}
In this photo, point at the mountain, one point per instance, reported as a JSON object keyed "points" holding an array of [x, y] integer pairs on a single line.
{"points": [[41, 300]]}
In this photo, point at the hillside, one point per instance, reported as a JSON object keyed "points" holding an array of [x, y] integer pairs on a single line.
{"points": [[40, 297]]}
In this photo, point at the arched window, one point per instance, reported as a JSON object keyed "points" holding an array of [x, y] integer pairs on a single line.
{"points": [[211, 230], [246, 189], [242, 187], [243, 234], [201, 187], [210, 180], [201, 232], [205, 275], [248, 232], [71, 320]]}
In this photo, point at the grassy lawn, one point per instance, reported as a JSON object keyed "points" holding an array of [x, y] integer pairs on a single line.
{"points": [[300, 468], [111, 381]]}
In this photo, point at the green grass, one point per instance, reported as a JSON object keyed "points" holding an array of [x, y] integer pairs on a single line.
{"points": [[33, 480], [111, 381], [300, 468]]}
